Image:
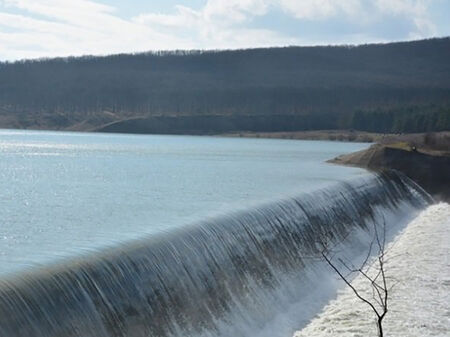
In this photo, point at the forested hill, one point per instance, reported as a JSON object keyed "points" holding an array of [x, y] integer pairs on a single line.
{"points": [[396, 87]]}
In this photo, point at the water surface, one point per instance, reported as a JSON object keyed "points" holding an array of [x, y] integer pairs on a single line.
{"points": [[65, 194]]}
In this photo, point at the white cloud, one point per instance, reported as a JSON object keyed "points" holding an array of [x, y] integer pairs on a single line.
{"points": [[74, 27], [219, 24], [234, 10], [184, 17], [320, 9], [416, 10]]}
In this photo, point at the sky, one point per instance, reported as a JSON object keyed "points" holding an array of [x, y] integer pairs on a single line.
{"points": [[49, 28]]}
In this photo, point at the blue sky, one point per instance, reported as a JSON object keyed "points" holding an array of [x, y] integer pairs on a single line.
{"points": [[47, 28]]}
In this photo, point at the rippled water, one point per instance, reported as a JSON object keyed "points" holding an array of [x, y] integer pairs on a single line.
{"points": [[64, 194]]}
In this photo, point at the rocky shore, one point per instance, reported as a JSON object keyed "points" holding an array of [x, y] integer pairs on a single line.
{"points": [[430, 169]]}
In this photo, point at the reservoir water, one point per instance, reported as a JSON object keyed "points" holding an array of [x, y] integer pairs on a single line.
{"points": [[63, 194], [166, 236]]}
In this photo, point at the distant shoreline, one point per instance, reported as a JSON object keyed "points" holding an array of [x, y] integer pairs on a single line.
{"points": [[340, 135]]}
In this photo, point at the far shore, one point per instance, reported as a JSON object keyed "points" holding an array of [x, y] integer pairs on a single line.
{"points": [[346, 136]]}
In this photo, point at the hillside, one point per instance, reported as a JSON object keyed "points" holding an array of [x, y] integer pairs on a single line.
{"points": [[396, 87]]}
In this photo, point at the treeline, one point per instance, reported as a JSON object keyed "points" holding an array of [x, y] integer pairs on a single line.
{"points": [[423, 119], [408, 119], [400, 87]]}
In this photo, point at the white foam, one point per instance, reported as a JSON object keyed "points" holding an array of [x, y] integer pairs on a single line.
{"points": [[419, 261]]}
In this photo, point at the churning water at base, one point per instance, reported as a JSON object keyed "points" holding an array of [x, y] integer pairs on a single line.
{"points": [[242, 274], [418, 274]]}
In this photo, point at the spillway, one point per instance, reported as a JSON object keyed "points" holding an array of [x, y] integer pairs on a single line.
{"points": [[250, 273]]}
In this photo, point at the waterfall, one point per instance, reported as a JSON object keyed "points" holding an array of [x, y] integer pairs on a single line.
{"points": [[234, 275]]}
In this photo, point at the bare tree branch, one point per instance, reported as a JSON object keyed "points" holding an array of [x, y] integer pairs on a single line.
{"points": [[378, 283]]}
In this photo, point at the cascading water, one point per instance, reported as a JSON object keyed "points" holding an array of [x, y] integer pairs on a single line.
{"points": [[236, 275]]}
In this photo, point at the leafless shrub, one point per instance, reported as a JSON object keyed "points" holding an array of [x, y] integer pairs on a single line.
{"points": [[376, 279]]}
